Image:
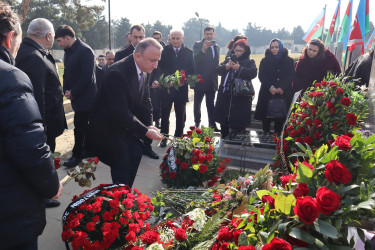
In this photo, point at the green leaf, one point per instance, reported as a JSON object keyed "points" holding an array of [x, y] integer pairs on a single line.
{"points": [[369, 204], [302, 235], [321, 151], [370, 140], [263, 237], [196, 167], [326, 229], [304, 173], [262, 193], [348, 188], [284, 203], [242, 239]]}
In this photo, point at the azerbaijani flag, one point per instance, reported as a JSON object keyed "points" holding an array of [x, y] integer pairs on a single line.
{"points": [[358, 32], [316, 28], [371, 40], [345, 25], [334, 25]]}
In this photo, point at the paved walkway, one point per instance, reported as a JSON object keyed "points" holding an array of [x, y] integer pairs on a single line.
{"points": [[147, 179]]}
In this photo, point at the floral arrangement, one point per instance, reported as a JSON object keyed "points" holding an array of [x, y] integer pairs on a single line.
{"points": [[329, 107], [178, 79], [192, 160], [82, 173], [106, 217]]}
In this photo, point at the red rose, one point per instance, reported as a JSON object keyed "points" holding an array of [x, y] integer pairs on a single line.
{"points": [[306, 164], [351, 118], [96, 160], [172, 175], [307, 209], [192, 128], [308, 140], [199, 76], [317, 123], [189, 133], [343, 142], [207, 139], [328, 200], [317, 135], [150, 237], [285, 179], [203, 169], [200, 80], [184, 165], [198, 131], [337, 172], [180, 234], [339, 91], [294, 133], [301, 190], [57, 162], [277, 244], [209, 157], [269, 199], [346, 101], [224, 234], [182, 72]]}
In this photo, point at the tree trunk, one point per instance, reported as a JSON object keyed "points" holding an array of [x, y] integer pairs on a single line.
{"points": [[23, 10]]}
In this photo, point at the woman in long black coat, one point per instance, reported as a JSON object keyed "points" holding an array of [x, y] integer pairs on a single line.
{"points": [[276, 72], [234, 111]]}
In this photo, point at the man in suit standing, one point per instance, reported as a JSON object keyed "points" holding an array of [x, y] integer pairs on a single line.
{"points": [[158, 37], [122, 112], [206, 56], [110, 59], [137, 34], [79, 85], [175, 56], [35, 60]]}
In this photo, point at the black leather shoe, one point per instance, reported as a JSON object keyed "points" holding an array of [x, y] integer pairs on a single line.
{"points": [[150, 153], [197, 125], [51, 203], [163, 143], [72, 162]]}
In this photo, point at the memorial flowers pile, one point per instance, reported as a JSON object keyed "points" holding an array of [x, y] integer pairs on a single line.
{"points": [[192, 160], [329, 107], [106, 217], [178, 79]]}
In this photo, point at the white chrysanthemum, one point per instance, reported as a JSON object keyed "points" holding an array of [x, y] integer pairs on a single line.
{"points": [[156, 246], [199, 218], [167, 235]]}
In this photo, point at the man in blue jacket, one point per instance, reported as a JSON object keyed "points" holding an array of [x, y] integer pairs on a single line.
{"points": [[79, 85], [27, 171]]}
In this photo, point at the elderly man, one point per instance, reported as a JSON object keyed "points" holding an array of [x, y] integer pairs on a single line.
{"points": [[27, 171], [137, 34], [176, 56], [79, 85], [122, 113], [34, 59]]}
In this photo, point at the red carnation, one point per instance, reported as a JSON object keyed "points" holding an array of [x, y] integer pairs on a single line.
{"points": [[150, 237], [333, 85], [334, 125], [189, 133], [209, 157], [180, 234], [210, 149], [192, 128], [207, 139], [172, 175], [308, 140], [203, 168], [337, 172], [184, 165], [194, 160], [96, 160], [308, 122], [329, 104], [304, 105], [319, 94], [351, 118], [318, 123], [339, 91], [307, 209], [294, 133], [301, 131], [224, 234], [57, 162], [317, 135], [178, 161], [290, 128], [299, 139], [346, 101]]}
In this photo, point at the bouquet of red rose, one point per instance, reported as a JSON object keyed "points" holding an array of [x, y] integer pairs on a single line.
{"points": [[329, 107], [106, 217], [192, 160], [178, 79]]}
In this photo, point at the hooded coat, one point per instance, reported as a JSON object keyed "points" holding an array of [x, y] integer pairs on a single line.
{"points": [[235, 110]]}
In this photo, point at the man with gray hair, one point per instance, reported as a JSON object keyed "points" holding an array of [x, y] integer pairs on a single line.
{"points": [[34, 59], [122, 112]]}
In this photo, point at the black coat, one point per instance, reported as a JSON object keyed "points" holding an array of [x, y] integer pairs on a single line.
{"points": [[79, 75], [206, 64], [360, 69], [280, 74], [27, 170], [121, 114], [236, 111], [124, 52], [168, 65], [40, 67]]}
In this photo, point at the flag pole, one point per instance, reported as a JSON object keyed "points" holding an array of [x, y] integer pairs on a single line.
{"points": [[324, 20]]}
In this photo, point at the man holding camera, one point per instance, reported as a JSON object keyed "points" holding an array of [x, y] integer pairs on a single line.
{"points": [[206, 56]]}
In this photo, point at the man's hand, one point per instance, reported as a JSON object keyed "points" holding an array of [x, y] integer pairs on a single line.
{"points": [[155, 85], [273, 90], [68, 95], [229, 65], [154, 134], [280, 91], [206, 45], [236, 66], [58, 192]]}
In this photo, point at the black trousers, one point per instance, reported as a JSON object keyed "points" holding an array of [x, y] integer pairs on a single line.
{"points": [[81, 121], [156, 106], [30, 245], [278, 124], [210, 99], [51, 142], [180, 111]]}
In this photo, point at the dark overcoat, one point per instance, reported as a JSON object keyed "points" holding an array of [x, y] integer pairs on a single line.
{"points": [[309, 70], [360, 69], [236, 111], [124, 52], [205, 65], [280, 74], [27, 170], [40, 67]]}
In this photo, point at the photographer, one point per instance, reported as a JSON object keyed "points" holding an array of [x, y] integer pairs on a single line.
{"points": [[234, 111]]}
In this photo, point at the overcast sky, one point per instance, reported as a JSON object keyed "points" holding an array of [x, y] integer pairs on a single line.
{"points": [[271, 14]]}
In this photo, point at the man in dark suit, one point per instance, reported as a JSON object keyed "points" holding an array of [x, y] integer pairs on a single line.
{"points": [[79, 85], [110, 59], [137, 34], [175, 56], [158, 37], [206, 57], [122, 112], [34, 59]]}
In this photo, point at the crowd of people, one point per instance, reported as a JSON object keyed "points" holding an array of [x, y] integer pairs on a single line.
{"points": [[120, 107]]}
